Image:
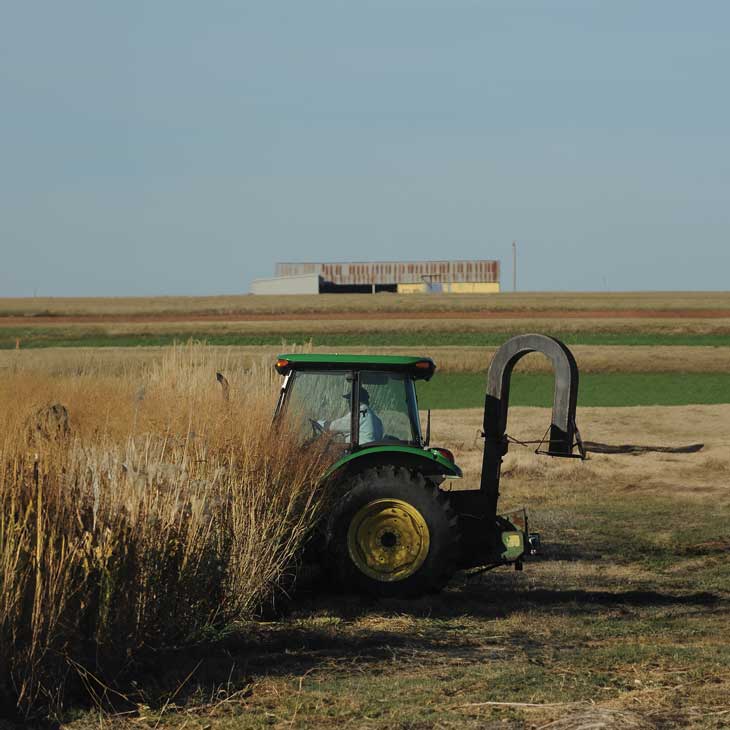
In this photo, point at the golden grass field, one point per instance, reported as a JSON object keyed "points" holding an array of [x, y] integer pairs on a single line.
{"points": [[622, 620], [590, 358]]}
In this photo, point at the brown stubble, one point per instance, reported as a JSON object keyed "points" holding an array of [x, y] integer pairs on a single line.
{"points": [[248, 304], [701, 476]]}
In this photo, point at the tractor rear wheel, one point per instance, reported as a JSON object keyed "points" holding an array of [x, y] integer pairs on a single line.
{"points": [[393, 534]]}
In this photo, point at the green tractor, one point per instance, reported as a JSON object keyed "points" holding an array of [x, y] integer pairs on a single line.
{"points": [[394, 530]]}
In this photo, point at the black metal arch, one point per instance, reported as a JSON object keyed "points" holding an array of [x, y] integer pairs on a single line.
{"points": [[496, 406]]}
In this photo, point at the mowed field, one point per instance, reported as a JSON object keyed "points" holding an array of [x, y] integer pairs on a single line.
{"points": [[623, 618]]}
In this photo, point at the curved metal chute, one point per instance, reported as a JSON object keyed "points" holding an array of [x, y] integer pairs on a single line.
{"points": [[562, 428]]}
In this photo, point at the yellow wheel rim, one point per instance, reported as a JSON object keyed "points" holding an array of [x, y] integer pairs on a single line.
{"points": [[388, 540]]}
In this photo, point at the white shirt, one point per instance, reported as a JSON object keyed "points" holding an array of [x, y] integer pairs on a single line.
{"points": [[371, 427]]}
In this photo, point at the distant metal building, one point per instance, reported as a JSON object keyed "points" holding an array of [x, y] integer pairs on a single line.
{"points": [[406, 277]]}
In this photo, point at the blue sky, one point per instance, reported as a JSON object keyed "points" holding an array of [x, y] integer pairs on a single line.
{"points": [[182, 148]]}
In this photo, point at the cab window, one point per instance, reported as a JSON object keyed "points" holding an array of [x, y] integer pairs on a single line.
{"points": [[393, 401], [318, 395]]}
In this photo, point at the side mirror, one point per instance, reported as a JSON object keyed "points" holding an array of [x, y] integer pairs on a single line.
{"points": [[427, 440]]}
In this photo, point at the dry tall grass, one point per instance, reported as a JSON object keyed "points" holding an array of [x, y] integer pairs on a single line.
{"points": [[165, 512]]}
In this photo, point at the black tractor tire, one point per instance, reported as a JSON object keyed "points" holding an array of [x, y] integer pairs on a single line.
{"points": [[430, 507]]}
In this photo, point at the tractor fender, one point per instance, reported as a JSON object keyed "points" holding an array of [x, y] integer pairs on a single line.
{"points": [[427, 461]]}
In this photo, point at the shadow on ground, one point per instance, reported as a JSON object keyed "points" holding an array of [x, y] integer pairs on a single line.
{"points": [[326, 630]]}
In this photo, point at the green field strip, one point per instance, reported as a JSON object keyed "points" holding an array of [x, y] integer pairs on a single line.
{"points": [[31, 337], [467, 390]]}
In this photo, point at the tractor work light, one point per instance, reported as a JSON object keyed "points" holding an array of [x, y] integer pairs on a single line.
{"points": [[444, 452], [282, 365]]}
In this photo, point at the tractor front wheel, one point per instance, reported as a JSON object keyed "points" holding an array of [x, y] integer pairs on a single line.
{"points": [[393, 534]]}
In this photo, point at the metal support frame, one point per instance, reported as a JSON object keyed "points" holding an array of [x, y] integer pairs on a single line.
{"points": [[354, 411], [496, 406]]}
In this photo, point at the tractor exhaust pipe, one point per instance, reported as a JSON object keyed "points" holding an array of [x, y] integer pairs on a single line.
{"points": [[562, 428]]}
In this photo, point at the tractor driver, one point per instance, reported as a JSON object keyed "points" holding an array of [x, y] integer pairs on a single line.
{"points": [[371, 427]]}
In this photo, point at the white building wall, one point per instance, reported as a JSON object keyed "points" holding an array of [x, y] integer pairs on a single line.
{"points": [[299, 284]]}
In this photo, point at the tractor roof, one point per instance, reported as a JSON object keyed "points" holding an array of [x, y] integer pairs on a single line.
{"points": [[417, 367]]}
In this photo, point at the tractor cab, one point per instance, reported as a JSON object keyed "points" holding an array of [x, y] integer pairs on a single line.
{"points": [[362, 404]]}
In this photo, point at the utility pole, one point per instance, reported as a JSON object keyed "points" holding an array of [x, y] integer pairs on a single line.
{"points": [[514, 265]]}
